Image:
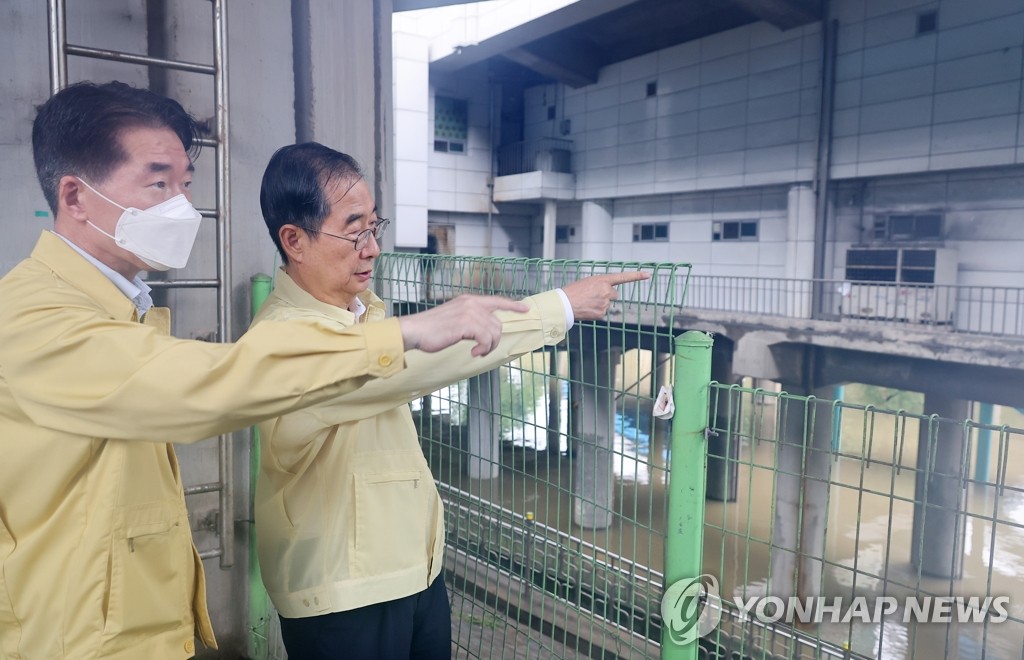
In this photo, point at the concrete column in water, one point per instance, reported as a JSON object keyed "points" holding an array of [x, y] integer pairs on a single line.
{"points": [[484, 426], [802, 474], [593, 501], [723, 447], [937, 543], [596, 231]]}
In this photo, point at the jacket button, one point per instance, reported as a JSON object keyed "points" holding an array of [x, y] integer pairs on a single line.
{"points": [[190, 646], [384, 360]]}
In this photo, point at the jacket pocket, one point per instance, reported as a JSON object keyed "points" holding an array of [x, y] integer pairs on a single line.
{"points": [[391, 521], [150, 569]]}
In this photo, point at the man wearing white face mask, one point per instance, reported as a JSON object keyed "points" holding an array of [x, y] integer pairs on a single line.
{"points": [[161, 236], [96, 554]]}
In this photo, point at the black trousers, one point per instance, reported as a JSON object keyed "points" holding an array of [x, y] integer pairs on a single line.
{"points": [[417, 627]]}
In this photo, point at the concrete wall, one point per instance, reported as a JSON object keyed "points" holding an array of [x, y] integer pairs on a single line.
{"points": [[511, 233], [458, 182], [348, 107], [731, 110]]}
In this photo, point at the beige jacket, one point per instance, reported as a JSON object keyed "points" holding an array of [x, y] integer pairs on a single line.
{"points": [[347, 513], [96, 554]]}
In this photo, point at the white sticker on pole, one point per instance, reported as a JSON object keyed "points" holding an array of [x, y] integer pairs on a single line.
{"points": [[663, 405]]}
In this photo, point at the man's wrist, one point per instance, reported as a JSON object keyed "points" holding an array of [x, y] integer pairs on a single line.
{"points": [[570, 318]]}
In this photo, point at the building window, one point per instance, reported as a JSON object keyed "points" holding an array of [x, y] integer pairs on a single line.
{"points": [[908, 227], [652, 88], [927, 22], [563, 233], [451, 125], [734, 230], [655, 231]]}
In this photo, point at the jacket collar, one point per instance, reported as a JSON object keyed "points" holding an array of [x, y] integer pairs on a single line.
{"points": [[59, 257], [290, 292]]}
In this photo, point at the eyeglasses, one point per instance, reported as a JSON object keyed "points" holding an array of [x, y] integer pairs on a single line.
{"points": [[363, 237]]}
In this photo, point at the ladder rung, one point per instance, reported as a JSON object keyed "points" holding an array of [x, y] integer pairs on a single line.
{"points": [[131, 58], [210, 554], [208, 213], [206, 142], [203, 488], [183, 284]]}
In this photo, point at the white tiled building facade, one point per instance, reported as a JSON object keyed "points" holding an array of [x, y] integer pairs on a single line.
{"points": [[706, 151]]}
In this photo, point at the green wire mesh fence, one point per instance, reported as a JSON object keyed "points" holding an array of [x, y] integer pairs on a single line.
{"points": [[548, 466], [555, 477], [831, 514]]}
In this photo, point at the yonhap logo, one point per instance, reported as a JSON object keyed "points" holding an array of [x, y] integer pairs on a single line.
{"points": [[691, 608]]}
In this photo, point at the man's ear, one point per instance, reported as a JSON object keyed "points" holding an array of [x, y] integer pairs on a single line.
{"points": [[294, 242], [69, 199]]}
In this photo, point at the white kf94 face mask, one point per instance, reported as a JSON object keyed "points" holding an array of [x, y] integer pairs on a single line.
{"points": [[161, 236]]}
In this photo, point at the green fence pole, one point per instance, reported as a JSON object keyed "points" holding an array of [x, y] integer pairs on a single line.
{"points": [[983, 459], [259, 602], [687, 476]]}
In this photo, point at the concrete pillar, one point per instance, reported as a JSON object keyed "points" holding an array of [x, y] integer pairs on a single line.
{"points": [[575, 401], [593, 503], [803, 469], [596, 231], [484, 426], [937, 545], [554, 405], [550, 222], [724, 448], [800, 248]]}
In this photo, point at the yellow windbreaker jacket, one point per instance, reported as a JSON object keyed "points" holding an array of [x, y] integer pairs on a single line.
{"points": [[96, 554], [347, 513]]}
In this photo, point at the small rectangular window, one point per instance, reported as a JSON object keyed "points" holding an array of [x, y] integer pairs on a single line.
{"points": [[734, 230], [563, 233], [927, 22], [451, 124], [652, 88], [908, 227], [656, 231]]}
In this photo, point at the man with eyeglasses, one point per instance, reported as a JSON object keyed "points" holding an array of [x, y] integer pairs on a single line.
{"points": [[349, 523]]}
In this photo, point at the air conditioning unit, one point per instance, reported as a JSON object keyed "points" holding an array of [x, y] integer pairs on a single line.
{"points": [[912, 284]]}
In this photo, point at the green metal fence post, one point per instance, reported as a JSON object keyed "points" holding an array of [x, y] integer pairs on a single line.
{"points": [[259, 602], [687, 474]]}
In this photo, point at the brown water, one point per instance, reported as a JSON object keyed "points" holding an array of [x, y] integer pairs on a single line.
{"points": [[868, 536]]}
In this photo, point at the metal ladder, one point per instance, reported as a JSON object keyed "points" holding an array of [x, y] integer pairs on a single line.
{"points": [[60, 49]]}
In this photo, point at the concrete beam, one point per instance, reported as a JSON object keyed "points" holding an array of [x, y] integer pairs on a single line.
{"points": [[784, 14], [890, 339], [527, 33], [571, 61], [971, 382], [409, 5]]}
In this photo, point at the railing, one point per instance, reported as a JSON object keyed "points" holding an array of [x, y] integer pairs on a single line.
{"points": [[541, 155], [559, 484], [436, 278], [983, 310]]}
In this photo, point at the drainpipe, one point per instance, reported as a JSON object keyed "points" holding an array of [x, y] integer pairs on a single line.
{"points": [[495, 91], [829, 29]]}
